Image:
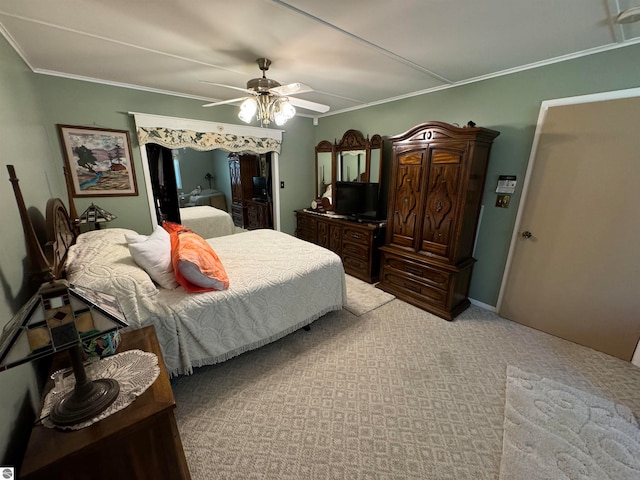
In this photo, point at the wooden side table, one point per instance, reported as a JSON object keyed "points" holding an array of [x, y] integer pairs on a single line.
{"points": [[140, 441]]}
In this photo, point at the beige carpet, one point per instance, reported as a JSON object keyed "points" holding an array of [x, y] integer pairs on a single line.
{"points": [[396, 393], [362, 297], [552, 431]]}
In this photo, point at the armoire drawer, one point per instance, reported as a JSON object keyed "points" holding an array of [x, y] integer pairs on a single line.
{"points": [[424, 273], [434, 296]]}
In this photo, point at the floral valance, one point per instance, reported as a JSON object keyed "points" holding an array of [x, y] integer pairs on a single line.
{"points": [[204, 141]]}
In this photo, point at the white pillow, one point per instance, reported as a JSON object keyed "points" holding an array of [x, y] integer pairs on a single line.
{"points": [[153, 254], [135, 237]]}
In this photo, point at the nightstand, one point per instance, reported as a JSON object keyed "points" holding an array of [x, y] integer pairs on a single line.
{"points": [[140, 441]]}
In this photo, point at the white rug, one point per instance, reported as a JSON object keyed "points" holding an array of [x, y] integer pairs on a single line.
{"points": [[553, 431], [362, 297]]}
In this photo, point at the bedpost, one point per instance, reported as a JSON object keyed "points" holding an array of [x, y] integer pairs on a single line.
{"points": [[73, 213], [40, 269]]}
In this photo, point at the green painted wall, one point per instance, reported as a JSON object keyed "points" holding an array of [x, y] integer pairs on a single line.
{"points": [[509, 104], [25, 141]]}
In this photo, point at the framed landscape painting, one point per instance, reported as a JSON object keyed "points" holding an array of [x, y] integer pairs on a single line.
{"points": [[98, 161]]}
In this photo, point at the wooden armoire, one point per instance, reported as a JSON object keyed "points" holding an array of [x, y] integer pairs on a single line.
{"points": [[437, 179], [242, 169], [248, 211]]}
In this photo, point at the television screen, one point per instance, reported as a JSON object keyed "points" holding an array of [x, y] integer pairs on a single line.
{"points": [[260, 188], [357, 199]]}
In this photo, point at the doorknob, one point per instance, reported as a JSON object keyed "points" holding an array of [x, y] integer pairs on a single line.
{"points": [[526, 234]]}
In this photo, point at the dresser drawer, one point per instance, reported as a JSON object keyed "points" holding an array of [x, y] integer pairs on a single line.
{"points": [[417, 271], [306, 229], [356, 267], [356, 235], [413, 288], [356, 251]]}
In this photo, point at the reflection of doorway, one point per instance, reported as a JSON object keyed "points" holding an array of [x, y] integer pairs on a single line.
{"points": [[163, 183]]}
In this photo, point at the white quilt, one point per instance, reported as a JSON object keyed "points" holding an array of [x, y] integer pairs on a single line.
{"points": [[278, 284], [208, 222]]}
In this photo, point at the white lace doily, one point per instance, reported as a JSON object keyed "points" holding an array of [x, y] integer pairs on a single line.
{"points": [[134, 370]]}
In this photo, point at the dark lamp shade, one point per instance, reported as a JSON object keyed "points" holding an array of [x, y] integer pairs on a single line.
{"points": [[58, 317], [95, 214]]}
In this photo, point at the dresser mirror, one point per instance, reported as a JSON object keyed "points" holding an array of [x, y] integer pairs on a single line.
{"points": [[324, 167], [353, 159]]}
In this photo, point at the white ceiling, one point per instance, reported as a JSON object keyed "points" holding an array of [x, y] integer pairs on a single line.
{"points": [[352, 53]]}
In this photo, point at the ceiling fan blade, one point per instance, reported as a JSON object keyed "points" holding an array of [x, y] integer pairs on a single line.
{"points": [[227, 86], [316, 107], [225, 102], [291, 89]]}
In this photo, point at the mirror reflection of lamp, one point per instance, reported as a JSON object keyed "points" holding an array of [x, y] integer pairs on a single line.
{"points": [[62, 317], [208, 177]]}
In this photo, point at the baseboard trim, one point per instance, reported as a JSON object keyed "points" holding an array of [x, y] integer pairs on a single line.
{"points": [[477, 303]]}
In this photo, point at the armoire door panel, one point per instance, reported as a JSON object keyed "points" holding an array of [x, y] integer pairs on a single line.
{"points": [[447, 154], [408, 192], [441, 209]]}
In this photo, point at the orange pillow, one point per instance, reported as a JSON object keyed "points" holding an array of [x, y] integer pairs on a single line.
{"points": [[197, 267], [174, 227]]}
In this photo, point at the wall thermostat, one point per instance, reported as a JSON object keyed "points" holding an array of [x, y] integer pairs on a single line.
{"points": [[506, 184]]}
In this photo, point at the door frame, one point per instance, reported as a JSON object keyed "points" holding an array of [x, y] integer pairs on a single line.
{"points": [[544, 108]]}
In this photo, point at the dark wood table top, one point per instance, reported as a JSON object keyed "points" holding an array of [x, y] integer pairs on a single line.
{"points": [[48, 445]]}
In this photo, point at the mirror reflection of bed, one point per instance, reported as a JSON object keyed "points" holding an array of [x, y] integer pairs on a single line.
{"points": [[200, 190]]}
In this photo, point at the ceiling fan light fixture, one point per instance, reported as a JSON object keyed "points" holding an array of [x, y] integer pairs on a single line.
{"points": [[270, 100], [631, 15], [283, 111], [248, 109]]}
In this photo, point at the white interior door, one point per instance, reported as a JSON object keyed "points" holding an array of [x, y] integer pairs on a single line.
{"points": [[574, 264]]}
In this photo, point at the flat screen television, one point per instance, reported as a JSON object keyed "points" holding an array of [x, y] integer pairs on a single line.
{"points": [[357, 200], [260, 188]]}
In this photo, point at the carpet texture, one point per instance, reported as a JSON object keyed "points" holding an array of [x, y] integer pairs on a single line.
{"points": [[552, 431], [396, 393], [362, 297]]}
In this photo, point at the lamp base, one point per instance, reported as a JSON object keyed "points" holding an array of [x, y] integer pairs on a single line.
{"points": [[85, 403]]}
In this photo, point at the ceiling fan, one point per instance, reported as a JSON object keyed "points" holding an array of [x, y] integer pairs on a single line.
{"points": [[269, 100]]}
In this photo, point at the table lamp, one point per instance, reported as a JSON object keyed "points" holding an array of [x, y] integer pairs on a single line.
{"points": [[61, 317], [96, 215]]}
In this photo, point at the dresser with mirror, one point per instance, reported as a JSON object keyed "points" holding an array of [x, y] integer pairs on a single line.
{"points": [[347, 171]]}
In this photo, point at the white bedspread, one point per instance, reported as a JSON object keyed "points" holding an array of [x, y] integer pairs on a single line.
{"points": [[208, 222], [278, 284]]}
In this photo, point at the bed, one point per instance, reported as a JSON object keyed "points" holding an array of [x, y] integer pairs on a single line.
{"points": [[278, 284], [206, 221], [210, 197]]}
